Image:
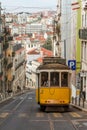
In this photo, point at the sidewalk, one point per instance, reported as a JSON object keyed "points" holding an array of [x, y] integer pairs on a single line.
{"points": [[80, 104], [12, 95]]}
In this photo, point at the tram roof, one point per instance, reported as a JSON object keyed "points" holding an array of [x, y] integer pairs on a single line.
{"points": [[53, 63], [54, 66]]}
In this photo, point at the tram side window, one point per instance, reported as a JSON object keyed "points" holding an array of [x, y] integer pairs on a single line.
{"points": [[44, 79], [54, 79], [64, 79]]}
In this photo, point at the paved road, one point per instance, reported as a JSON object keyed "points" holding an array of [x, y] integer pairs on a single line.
{"points": [[23, 113]]}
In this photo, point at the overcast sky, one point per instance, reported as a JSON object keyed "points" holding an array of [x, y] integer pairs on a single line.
{"points": [[15, 5]]}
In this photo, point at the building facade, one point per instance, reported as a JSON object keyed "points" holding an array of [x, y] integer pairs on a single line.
{"points": [[83, 38]]}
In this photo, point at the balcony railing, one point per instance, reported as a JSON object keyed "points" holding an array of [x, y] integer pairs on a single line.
{"points": [[1, 56], [5, 61], [13, 53], [5, 46], [7, 31], [9, 65], [1, 38], [20, 64], [9, 38], [13, 77], [1, 73]]}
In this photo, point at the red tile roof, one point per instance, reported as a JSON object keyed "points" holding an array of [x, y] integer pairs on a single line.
{"points": [[44, 51], [33, 51], [20, 50], [40, 59]]}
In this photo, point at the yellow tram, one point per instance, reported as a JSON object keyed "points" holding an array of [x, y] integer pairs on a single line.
{"points": [[53, 83]]}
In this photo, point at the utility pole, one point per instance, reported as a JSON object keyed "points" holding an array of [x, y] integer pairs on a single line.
{"points": [[57, 29]]}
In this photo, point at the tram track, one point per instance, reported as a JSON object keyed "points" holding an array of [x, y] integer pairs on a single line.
{"points": [[32, 117], [73, 124], [7, 112]]}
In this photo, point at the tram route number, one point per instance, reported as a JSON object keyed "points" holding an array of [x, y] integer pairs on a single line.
{"points": [[72, 64]]}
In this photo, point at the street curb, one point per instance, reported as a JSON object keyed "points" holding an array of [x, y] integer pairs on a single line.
{"points": [[80, 108]]}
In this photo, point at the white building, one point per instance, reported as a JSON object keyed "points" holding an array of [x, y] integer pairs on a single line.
{"points": [[18, 67], [83, 37], [35, 27]]}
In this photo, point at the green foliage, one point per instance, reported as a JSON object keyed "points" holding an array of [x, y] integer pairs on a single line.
{"points": [[48, 44]]}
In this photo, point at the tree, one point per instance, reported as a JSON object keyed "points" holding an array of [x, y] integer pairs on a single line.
{"points": [[48, 44]]}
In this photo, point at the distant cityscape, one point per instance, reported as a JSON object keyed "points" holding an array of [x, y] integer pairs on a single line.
{"points": [[23, 36]]}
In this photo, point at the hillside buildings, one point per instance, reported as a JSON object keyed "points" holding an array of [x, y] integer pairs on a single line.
{"points": [[19, 34]]}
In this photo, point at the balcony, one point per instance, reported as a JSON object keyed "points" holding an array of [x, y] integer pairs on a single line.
{"points": [[5, 46], [1, 73], [9, 38], [7, 31], [1, 38], [6, 78], [13, 53], [9, 65], [5, 61], [13, 77], [19, 65], [1, 56], [83, 34]]}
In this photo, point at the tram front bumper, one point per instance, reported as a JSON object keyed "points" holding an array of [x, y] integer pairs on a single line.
{"points": [[54, 102]]}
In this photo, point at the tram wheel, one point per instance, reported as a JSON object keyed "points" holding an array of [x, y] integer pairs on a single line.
{"points": [[66, 108]]}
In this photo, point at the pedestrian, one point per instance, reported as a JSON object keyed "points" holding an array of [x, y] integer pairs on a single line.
{"points": [[84, 92]]}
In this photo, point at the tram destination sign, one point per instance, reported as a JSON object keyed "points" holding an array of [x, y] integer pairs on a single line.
{"points": [[50, 60]]}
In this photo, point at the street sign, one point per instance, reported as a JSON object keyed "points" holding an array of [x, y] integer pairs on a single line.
{"points": [[72, 64]]}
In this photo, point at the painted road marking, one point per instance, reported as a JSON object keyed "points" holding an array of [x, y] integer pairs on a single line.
{"points": [[73, 114], [23, 115], [4, 115], [39, 114], [57, 115]]}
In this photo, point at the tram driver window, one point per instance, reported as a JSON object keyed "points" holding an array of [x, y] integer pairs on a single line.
{"points": [[64, 79], [44, 79], [54, 79]]}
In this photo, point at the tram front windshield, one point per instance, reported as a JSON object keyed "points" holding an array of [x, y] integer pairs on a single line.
{"points": [[50, 80], [54, 79]]}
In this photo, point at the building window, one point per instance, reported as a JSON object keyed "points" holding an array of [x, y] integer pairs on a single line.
{"points": [[0, 67], [84, 50], [0, 48]]}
